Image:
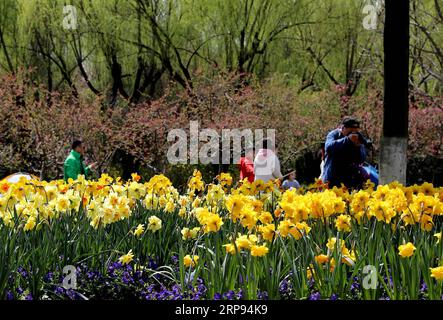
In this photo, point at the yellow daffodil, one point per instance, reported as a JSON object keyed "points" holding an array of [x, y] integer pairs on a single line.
{"points": [[259, 251], [63, 203], [426, 222], [299, 230], [438, 236], [230, 248], [154, 224], [139, 230], [211, 222], [190, 262], [331, 243], [225, 179], [267, 231], [188, 234], [127, 258], [243, 242], [322, 259], [170, 206], [265, 218], [437, 273], [343, 223], [406, 250], [30, 224]]}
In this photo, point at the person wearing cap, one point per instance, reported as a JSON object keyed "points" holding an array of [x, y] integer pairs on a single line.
{"points": [[74, 164], [344, 154]]}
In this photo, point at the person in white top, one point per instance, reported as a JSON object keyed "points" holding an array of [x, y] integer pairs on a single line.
{"points": [[266, 163], [322, 163]]}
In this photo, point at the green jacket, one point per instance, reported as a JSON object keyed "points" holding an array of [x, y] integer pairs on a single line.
{"points": [[74, 166]]}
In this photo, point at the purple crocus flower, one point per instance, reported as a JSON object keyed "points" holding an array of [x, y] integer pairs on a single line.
{"points": [[127, 278], [217, 296], [284, 287], [230, 295], [315, 296], [59, 290], [71, 294], [90, 275], [152, 264], [201, 289], [22, 272], [176, 289], [355, 286], [174, 259], [129, 268], [9, 296], [262, 295], [151, 288], [49, 277], [196, 296]]}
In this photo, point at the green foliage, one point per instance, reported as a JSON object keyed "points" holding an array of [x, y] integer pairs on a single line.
{"points": [[131, 48]]}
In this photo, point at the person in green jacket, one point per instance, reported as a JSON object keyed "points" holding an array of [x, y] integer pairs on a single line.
{"points": [[74, 164]]}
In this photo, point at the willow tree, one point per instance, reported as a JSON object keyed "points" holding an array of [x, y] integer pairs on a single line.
{"points": [[133, 48], [8, 15], [394, 142]]}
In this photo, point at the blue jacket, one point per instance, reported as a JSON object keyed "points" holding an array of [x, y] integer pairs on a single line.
{"points": [[342, 159]]}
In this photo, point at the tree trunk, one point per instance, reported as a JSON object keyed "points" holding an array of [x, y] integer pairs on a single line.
{"points": [[5, 51], [394, 142]]}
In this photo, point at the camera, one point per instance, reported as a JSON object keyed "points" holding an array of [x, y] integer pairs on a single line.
{"points": [[362, 139]]}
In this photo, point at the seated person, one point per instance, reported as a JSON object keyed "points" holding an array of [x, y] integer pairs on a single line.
{"points": [[290, 182]]}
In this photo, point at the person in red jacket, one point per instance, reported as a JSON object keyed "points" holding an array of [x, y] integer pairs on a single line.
{"points": [[246, 165]]}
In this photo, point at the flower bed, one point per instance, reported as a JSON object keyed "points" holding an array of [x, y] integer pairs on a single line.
{"points": [[132, 240]]}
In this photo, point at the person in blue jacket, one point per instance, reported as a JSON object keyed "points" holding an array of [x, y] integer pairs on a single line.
{"points": [[344, 154]]}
